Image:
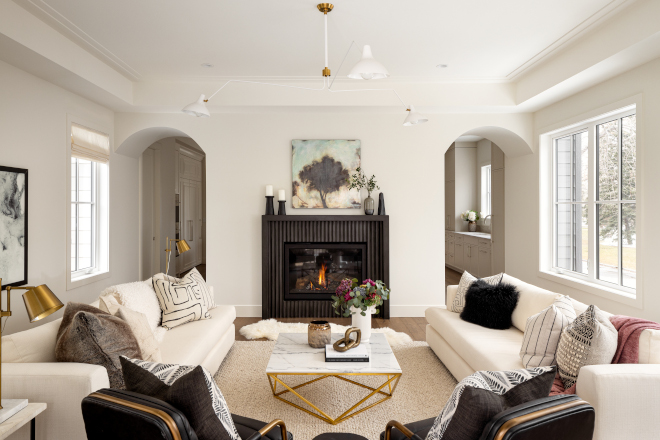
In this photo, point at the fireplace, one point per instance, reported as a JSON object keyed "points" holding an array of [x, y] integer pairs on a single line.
{"points": [[312, 271]]}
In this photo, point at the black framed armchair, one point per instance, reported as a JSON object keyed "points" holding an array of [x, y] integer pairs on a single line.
{"points": [[120, 414], [551, 418]]}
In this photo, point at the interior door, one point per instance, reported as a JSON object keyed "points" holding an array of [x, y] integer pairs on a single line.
{"points": [[191, 223]]}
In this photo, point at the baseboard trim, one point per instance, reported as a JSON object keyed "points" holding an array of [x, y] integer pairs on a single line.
{"points": [[395, 311]]}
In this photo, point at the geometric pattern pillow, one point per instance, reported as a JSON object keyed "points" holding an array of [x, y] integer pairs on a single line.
{"points": [[191, 389], [204, 290], [458, 304], [589, 340], [479, 397], [542, 333], [181, 300]]}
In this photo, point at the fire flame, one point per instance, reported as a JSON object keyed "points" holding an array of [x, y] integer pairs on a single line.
{"points": [[322, 281]]}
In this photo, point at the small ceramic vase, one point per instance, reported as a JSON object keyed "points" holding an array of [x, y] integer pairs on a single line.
{"points": [[318, 334]]}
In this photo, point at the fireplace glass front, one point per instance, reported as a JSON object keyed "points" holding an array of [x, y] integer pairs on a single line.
{"points": [[314, 270]]}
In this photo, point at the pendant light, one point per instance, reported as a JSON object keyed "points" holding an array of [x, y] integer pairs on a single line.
{"points": [[414, 117], [368, 68], [197, 108]]}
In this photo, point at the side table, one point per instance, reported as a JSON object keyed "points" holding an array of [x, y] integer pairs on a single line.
{"points": [[22, 418]]}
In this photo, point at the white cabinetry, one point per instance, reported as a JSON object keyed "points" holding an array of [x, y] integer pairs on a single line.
{"points": [[467, 252]]}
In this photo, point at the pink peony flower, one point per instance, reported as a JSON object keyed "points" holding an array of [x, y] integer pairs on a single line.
{"points": [[369, 281]]}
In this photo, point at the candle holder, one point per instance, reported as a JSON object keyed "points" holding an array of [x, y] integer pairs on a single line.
{"points": [[282, 208], [270, 210]]}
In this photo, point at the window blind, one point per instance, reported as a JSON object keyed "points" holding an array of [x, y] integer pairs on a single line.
{"points": [[89, 144]]}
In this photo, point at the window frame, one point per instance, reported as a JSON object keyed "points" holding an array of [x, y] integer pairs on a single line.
{"points": [[486, 189], [96, 245], [547, 270], [101, 192]]}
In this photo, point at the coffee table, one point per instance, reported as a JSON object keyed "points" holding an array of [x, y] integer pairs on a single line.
{"points": [[292, 356]]}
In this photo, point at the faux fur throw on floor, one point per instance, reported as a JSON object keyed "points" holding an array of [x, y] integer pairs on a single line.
{"points": [[270, 328]]}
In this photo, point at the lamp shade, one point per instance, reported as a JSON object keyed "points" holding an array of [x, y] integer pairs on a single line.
{"points": [[182, 246], [197, 108], [414, 118], [41, 302], [368, 67]]}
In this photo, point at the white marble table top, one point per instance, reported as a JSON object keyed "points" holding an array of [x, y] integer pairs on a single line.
{"points": [[293, 355]]}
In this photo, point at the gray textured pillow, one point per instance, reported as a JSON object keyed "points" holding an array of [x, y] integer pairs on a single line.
{"points": [[589, 340], [542, 333], [458, 304], [91, 336]]}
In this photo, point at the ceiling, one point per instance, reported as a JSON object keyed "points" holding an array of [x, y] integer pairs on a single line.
{"points": [[480, 40]]}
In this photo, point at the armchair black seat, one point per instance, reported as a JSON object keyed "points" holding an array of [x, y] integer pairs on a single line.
{"points": [[119, 414], [551, 418]]}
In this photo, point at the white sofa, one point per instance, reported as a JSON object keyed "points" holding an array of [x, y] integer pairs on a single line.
{"points": [[626, 397], [29, 369]]}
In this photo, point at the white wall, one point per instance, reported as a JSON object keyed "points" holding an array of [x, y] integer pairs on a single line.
{"points": [[522, 188], [245, 152], [466, 181], [33, 118]]}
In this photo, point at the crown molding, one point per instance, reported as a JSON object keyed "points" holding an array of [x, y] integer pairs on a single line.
{"points": [[338, 80], [59, 22], [600, 16]]}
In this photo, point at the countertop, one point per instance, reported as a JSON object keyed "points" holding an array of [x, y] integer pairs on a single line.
{"points": [[473, 234]]}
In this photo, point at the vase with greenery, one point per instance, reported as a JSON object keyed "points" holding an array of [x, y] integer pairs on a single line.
{"points": [[471, 217], [359, 301], [359, 181]]}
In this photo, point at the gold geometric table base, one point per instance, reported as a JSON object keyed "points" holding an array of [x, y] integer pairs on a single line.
{"points": [[391, 383]]}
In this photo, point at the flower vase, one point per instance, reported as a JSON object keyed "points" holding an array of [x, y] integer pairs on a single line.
{"points": [[472, 226], [363, 322], [369, 205]]}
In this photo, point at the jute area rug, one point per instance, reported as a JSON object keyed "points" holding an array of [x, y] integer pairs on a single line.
{"points": [[423, 390]]}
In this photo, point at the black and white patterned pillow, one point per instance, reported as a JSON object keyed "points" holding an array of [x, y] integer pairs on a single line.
{"points": [[458, 304], [203, 290], [187, 399], [479, 397], [182, 300]]}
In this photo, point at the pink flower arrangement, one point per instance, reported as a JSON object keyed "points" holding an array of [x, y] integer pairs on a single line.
{"points": [[349, 294]]}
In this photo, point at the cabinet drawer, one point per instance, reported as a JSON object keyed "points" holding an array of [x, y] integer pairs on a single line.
{"points": [[458, 238], [471, 240], [484, 242]]}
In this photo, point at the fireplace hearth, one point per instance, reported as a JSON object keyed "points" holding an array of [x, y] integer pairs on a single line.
{"points": [[314, 270]]}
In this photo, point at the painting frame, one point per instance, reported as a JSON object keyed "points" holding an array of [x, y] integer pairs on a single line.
{"points": [[24, 201], [320, 170]]}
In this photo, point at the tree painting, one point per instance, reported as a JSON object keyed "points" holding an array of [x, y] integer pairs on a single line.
{"points": [[321, 169]]}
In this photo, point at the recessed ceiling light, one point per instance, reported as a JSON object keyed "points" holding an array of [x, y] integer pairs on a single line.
{"points": [[207, 65], [442, 66]]}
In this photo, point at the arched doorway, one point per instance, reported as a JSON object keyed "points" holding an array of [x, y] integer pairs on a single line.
{"points": [[172, 199], [475, 215]]}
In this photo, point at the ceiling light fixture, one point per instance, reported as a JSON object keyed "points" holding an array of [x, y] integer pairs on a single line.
{"points": [[442, 66], [366, 69], [207, 65]]}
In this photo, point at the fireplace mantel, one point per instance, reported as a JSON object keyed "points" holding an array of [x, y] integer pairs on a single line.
{"points": [[373, 230]]}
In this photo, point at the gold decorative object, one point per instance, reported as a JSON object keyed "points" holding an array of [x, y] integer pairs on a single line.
{"points": [[181, 246], [318, 334], [347, 343], [39, 302], [325, 7]]}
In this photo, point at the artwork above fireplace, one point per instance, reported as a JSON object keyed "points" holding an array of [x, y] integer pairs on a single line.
{"points": [[314, 270]]}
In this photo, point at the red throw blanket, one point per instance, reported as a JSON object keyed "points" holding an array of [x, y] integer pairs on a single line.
{"points": [[627, 350]]}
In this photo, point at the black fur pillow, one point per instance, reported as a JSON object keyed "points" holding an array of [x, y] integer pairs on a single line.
{"points": [[490, 306]]}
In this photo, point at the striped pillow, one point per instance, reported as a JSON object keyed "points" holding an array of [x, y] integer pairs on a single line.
{"points": [[458, 304], [543, 331], [182, 300]]}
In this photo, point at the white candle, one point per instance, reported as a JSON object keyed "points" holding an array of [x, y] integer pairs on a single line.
{"points": [[282, 195], [269, 190]]}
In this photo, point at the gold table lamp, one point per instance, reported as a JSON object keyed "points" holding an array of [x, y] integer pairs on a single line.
{"points": [[39, 301], [181, 246]]}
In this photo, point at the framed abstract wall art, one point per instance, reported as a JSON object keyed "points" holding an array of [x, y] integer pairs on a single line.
{"points": [[13, 226], [321, 169]]}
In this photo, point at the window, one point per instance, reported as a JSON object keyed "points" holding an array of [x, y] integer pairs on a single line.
{"points": [[88, 247], [486, 191], [594, 202]]}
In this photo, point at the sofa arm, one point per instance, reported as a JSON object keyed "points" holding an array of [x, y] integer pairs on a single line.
{"points": [[450, 293], [62, 386], [625, 397]]}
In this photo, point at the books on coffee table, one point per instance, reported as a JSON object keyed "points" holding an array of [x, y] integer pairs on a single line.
{"points": [[357, 354]]}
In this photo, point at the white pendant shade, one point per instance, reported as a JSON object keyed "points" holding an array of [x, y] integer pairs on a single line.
{"points": [[197, 108], [414, 118], [368, 67]]}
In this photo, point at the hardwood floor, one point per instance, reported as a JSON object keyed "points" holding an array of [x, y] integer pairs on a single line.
{"points": [[415, 327]]}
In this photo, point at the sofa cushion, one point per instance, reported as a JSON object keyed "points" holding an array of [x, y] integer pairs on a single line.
{"points": [[140, 327], [490, 305], [480, 347], [92, 336], [181, 300], [138, 296], [532, 300], [458, 302], [190, 344]]}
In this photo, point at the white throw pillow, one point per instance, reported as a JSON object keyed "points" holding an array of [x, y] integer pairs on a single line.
{"points": [[181, 300], [589, 340], [531, 301], [543, 331], [458, 304], [140, 327], [138, 296]]}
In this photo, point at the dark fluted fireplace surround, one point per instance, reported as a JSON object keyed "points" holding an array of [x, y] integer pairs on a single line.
{"points": [[305, 256]]}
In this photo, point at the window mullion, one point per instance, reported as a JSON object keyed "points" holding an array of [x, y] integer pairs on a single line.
{"points": [[591, 202], [620, 210]]}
